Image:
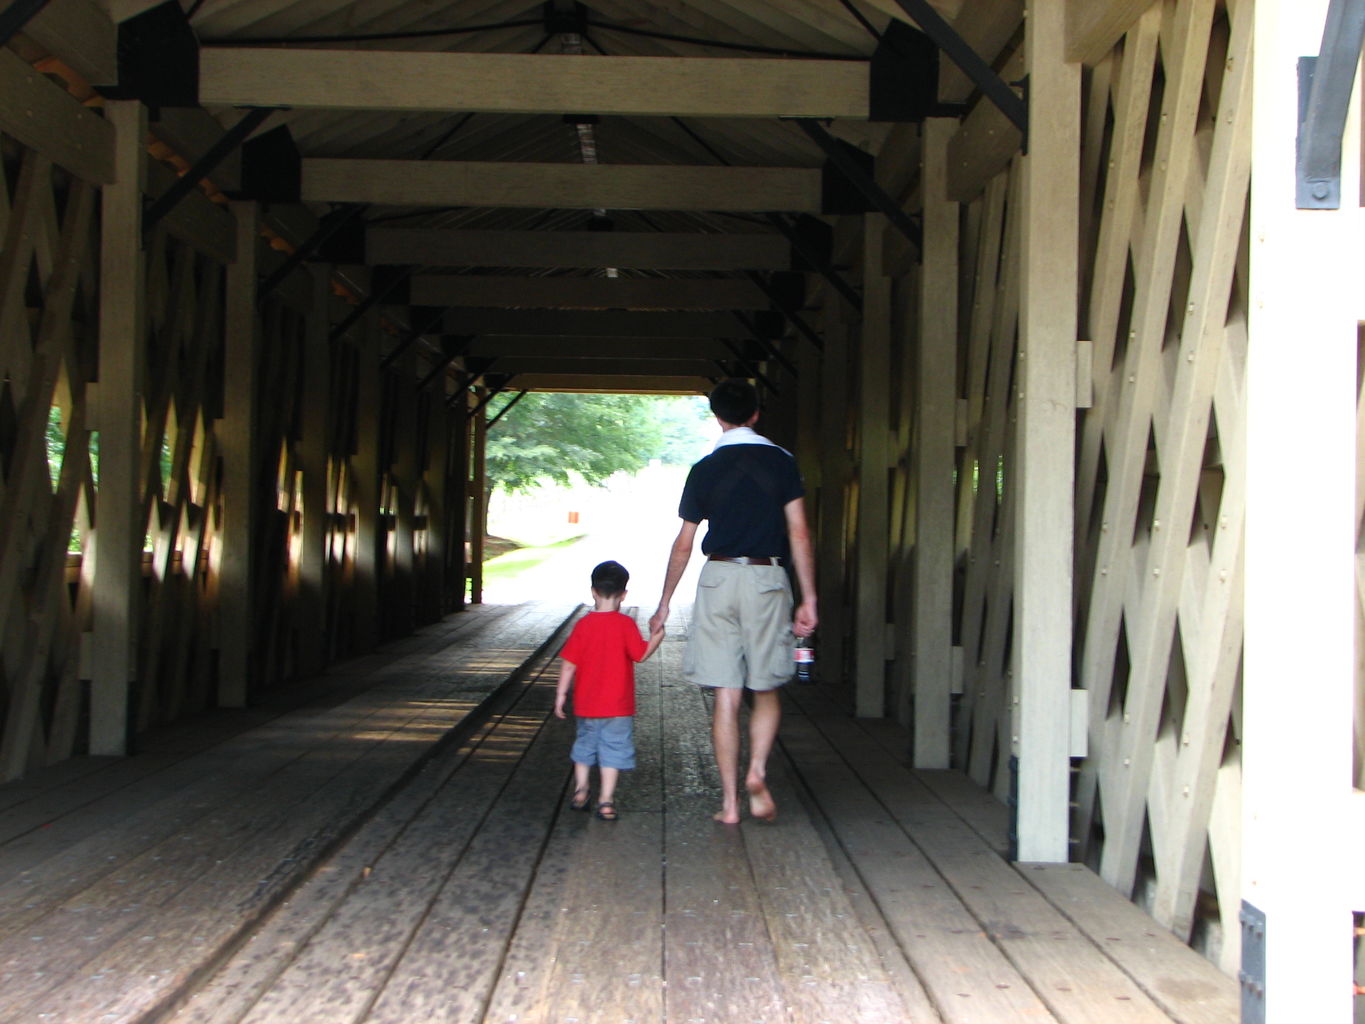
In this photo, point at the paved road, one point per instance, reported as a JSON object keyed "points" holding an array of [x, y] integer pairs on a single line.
{"points": [[635, 525]]}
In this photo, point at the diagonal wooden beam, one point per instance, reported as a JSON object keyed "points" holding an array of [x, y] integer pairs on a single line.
{"points": [[1094, 27], [532, 83], [562, 186]]}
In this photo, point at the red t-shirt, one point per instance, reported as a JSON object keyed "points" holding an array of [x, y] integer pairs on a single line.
{"points": [[604, 646]]}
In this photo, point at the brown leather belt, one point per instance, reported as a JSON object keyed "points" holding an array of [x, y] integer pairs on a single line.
{"points": [[746, 560]]}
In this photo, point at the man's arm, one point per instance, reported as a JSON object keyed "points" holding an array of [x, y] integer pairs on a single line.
{"points": [[678, 558], [803, 561]]}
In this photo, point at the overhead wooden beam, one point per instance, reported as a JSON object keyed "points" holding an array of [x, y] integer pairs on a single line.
{"points": [[606, 368], [562, 186], [584, 292], [82, 34], [605, 348], [503, 83], [635, 250], [640, 384], [1093, 27], [604, 323]]}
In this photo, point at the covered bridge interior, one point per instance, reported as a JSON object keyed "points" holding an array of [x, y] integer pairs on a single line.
{"points": [[267, 263]]}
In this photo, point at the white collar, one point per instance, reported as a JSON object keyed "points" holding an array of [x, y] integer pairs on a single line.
{"points": [[744, 435]]}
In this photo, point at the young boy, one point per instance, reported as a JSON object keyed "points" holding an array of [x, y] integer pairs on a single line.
{"points": [[600, 656]]}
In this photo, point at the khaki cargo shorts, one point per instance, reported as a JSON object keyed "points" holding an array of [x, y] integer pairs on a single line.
{"points": [[741, 628]]}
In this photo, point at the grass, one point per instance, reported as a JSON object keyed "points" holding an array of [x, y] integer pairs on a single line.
{"points": [[514, 563]]}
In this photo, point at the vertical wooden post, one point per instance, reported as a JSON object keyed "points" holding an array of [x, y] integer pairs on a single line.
{"points": [[478, 520], [122, 348], [1300, 862], [1046, 385], [313, 463], [369, 527], [936, 399], [457, 503], [874, 405], [238, 443], [406, 474], [835, 467], [433, 603]]}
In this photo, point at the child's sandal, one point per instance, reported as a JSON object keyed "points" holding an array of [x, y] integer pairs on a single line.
{"points": [[606, 810], [580, 800]]}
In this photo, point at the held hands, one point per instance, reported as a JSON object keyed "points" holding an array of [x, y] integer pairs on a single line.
{"points": [[656, 621]]}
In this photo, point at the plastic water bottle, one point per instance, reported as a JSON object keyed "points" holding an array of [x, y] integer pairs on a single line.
{"points": [[805, 660]]}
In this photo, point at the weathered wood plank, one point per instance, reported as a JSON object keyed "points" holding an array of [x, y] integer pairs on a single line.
{"points": [[409, 943], [1188, 987], [533, 84], [964, 973], [561, 186], [717, 958], [81, 34]]}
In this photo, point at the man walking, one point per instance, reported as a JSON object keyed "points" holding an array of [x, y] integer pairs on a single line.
{"points": [[750, 492]]}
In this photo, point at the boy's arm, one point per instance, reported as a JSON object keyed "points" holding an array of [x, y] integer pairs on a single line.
{"points": [[566, 673], [655, 639]]}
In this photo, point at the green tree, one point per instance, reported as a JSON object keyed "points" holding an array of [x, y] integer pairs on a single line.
{"points": [[549, 436]]}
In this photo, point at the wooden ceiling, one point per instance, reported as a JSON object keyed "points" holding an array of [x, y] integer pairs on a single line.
{"points": [[433, 144]]}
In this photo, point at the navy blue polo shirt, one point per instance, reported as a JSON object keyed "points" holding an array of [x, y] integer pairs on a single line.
{"points": [[741, 491]]}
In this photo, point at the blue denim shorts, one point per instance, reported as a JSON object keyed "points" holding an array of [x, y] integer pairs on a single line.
{"points": [[609, 742]]}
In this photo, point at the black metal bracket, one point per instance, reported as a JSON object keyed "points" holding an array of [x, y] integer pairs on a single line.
{"points": [[435, 314], [863, 182], [769, 348], [1252, 974], [203, 167], [329, 226], [451, 346], [787, 310], [959, 51], [376, 296], [470, 376], [493, 393], [505, 409], [18, 14], [749, 368], [814, 259], [1325, 84]]}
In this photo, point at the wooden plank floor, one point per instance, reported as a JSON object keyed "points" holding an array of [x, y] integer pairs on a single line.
{"points": [[341, 863]]}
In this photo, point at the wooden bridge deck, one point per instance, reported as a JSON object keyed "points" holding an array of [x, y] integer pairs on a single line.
{"points": [[397, 848]]}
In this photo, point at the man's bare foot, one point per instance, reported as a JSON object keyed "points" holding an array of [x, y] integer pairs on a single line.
{"points": [[726, 816], [761, 803]]}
